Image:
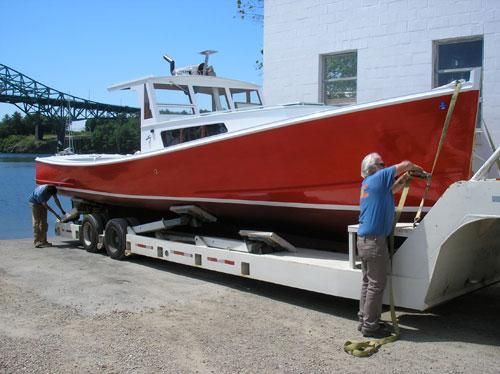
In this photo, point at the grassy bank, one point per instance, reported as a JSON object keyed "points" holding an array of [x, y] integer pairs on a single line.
{"points": [[108, 135], [28, 144]]}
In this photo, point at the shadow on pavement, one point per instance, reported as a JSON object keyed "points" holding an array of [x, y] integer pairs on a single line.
{"points": [[472, 318]]}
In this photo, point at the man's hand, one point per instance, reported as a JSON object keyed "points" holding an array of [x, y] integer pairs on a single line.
{"points": [[405, 166], [419, 174]]}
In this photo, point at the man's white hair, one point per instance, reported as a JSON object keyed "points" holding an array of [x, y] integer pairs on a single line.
{"points": [[368, 165]]}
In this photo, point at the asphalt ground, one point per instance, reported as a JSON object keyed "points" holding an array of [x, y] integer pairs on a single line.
{"points": [[63, 310]]}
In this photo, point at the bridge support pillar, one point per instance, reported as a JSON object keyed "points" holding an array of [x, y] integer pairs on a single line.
{"points": [[38, 132]]}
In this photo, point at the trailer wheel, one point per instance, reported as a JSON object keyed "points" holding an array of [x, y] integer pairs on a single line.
{"points": [[92, 226], [115, 238]]}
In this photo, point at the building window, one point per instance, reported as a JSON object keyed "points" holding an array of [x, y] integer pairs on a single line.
{"points": [[339, 78], [454, 59]]}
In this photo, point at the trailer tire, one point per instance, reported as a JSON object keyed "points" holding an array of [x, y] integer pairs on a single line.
{"points": [[92, 227], [115, 238]]}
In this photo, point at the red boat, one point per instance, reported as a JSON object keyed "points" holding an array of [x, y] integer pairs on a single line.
{"points": [[210, 142]]}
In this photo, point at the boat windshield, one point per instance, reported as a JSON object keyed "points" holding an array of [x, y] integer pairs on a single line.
{"points": [[173, 99], [210, 99], [184, 99], [243, 98]]}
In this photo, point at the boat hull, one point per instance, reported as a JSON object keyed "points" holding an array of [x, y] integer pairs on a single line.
{"points": [[300, 174]]}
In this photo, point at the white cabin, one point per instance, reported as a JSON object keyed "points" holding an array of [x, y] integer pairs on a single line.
{"points": [[183, 108]]}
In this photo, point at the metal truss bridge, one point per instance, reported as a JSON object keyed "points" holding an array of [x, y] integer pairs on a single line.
{"points": [[33, 97]]}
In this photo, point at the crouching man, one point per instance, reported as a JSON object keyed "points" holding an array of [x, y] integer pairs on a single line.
{"points": [[39, 206]]}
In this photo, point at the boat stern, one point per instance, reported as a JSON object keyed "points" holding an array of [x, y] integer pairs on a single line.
{"points": [[469, 259]]}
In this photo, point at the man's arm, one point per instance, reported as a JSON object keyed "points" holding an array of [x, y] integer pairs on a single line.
{"points": [[406, 165], [51, 210], [58, 203]]}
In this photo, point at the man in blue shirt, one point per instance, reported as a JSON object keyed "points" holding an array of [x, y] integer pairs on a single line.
{"points": [[375, 225], [38, 200]]}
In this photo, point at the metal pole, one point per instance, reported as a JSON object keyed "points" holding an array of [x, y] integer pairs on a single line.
{"points": [[486, 166]]}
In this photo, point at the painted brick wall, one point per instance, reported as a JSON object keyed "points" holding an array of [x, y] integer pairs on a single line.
{"points": [[394, 40]]}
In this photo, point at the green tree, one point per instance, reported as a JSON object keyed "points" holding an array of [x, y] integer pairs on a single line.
{"points": [[120, 135], [16, 124], [117, 135], [253, 9], [128, 136]]}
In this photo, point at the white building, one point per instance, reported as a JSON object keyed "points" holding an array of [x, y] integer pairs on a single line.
{"points": [[344, 51]]}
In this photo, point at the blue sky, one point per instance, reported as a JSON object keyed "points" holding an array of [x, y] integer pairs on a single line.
{"points": [[83, 47]]}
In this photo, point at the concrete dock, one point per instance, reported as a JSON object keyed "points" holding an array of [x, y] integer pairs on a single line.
{"points": [[65, 310]]}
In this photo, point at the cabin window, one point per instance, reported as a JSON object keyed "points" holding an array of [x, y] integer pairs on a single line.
{"points": [[173, 99], [245, 98], [177, 136], [147, 107], [339, 78], [454, 59], [210, 99]]}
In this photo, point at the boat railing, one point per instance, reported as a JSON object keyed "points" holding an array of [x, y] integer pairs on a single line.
{"points": [[242, 105], [190, 108], [488, 164]]}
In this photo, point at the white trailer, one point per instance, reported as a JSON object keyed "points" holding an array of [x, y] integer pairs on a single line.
{"points": [[455, 249]]}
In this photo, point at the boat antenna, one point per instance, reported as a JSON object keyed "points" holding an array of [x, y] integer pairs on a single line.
{"points": [[206, 53], [171, 61]]}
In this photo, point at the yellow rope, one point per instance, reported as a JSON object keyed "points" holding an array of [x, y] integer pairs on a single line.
{"points": [[447, 121]]}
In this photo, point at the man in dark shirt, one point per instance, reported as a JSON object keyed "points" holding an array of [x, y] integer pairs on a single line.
{"points": [[375, 225], [38, 200]]}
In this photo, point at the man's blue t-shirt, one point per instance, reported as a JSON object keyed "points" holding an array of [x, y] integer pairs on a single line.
{"points": [[377, 203], [40, 195]]}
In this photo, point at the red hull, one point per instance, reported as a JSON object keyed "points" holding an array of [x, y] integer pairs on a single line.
{"points": [[306, 173]]}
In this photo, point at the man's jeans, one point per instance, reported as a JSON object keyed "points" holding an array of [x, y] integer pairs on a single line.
{"points": [[374, 256], [40, 226]]}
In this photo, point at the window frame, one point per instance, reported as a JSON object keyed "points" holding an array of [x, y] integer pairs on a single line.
{"points": [[216, 95], [324, 81], [436, 71], [248, 103], [188, 105], [435, 57]]}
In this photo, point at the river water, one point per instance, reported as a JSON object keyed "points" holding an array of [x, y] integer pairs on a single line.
{"points": [[17, 181]]}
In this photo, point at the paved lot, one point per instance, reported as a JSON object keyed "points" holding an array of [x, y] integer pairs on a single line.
{"points": [[65, 310]]}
